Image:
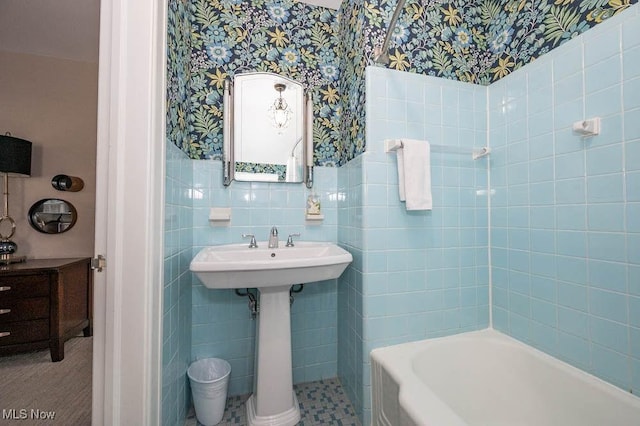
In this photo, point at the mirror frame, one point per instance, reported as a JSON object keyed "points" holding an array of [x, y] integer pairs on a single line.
{"points": [[228, 160], [34, 209]]}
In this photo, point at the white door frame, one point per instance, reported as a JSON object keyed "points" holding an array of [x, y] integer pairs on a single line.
{"points": [[129, 213]]}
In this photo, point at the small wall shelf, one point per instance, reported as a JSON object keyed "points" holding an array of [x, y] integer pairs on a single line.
{"points": [[220, 215], [314, 217]]}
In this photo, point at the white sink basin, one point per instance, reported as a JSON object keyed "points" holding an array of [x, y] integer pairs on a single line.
{"points": [[237, 266], [273, 272]]}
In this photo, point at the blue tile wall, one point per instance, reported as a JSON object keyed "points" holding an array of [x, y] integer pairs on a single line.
{"points": [[222, 325], [564, 224], [415, 274], [176, 318], [350, 319]]}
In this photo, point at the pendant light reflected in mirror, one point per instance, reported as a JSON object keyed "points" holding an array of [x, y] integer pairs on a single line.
{"points": [[280, 110]]}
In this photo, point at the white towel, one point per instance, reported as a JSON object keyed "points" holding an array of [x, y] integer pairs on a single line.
{"points": [[414, 174]]}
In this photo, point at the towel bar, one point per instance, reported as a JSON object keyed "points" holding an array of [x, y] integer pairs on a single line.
{"points": [[391, 145]]}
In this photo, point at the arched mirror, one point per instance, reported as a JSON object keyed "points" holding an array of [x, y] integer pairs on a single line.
{"points": [[267, 130], [52, 216]]}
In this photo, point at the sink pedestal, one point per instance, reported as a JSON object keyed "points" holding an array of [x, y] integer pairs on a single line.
{"points": [[273, 402], [272, 271]]}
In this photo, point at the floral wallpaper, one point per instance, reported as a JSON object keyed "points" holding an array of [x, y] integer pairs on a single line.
{"points": [[476, 41], [279, 169], [280, 36], [352, 84], [178, 72], [517, 32], [480, 41]]}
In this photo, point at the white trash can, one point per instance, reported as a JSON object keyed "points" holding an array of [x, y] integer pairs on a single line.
{"points": [[209, 378]]}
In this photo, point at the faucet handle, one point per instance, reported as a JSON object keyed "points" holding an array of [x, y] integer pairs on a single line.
{"points": [[252, 243], [290, 239]]}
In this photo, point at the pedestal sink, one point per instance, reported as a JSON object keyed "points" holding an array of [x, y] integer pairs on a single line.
{"points": [[272, 271]]}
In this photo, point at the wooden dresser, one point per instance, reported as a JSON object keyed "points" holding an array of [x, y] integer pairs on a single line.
{"points": [[43, 303]]}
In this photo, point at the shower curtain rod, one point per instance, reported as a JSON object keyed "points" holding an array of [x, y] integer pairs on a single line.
{"points": [[380, 53], [391, 145]]}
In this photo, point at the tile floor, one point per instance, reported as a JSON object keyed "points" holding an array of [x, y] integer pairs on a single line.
{"points": [[321, 403]]}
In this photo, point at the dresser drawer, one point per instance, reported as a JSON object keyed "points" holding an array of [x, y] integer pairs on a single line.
{"points": [[24, 309], [24, 331], [19, 286]]}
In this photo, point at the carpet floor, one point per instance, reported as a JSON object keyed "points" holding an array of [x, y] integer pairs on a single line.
{"points": [[36, 391]]}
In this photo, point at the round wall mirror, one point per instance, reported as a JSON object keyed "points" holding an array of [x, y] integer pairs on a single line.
{"points": [[52, 216]]}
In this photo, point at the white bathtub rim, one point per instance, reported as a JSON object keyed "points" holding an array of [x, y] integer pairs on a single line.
{"points": [[412, 400], [420, 403], [416, 399]]}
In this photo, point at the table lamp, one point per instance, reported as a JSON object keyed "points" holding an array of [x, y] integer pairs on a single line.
{"points": [[15, 161]]}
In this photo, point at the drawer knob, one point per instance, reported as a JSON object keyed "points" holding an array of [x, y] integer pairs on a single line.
{"points": [[5, 288], [5, 333], [4, 311]]}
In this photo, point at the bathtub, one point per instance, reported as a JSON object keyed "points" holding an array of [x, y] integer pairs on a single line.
{"points": [[487, 378]]}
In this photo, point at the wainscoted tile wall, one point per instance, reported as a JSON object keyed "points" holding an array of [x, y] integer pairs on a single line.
{"points": [[350, 319], [416, 274], [222, 324], [477, 41], [176, 312], [176, 318], [565, 217], [565, 234]]}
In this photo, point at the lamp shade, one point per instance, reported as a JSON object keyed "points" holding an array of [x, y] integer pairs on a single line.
{"points": [[15, 156]]}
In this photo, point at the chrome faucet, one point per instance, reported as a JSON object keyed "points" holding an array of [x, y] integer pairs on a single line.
{"points": [[253, 243], [273, 238]]}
